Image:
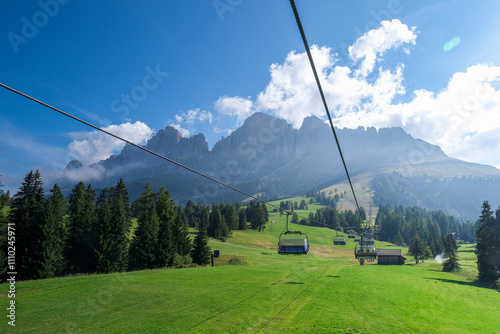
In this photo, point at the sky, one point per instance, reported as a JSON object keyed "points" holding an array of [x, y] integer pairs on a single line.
{"points": [[204, 66]]}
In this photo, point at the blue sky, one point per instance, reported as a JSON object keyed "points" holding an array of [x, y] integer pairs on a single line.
{"points": [[431, 67]]}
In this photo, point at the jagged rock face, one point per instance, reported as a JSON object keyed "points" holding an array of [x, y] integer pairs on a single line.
{"points": [[256, 148], [170, 143], [267, 149]]}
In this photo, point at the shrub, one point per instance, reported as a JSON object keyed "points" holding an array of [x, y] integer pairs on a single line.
{"points": [[182, 261]]}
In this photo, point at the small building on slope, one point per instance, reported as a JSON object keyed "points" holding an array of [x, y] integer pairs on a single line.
{"points": [[390, 256]]}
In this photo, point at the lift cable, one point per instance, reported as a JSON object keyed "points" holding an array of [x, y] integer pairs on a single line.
{"points": [[309, 55], [150, 152]]}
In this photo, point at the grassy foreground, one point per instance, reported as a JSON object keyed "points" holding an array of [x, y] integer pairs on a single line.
{"points": [[323, 292]]}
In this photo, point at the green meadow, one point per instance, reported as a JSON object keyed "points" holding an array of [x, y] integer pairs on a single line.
{"points": [[252, 289]]}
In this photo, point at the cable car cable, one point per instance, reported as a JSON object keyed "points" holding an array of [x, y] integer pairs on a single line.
{"points": [[311, 61], [147, 150], [133, 144]]}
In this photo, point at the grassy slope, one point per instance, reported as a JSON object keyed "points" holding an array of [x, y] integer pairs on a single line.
{"points": [[324, 292]]}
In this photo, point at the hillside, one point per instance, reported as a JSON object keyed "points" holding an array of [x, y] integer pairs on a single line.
{"points": [[326, 291]]}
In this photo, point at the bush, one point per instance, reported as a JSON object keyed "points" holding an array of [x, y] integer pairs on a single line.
{"points": [[236, 261], [498, 284], [182, 261]]}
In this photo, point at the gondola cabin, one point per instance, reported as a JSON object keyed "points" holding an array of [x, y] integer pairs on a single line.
{"points": [[339, 241], [293, 246], [352, 235]]}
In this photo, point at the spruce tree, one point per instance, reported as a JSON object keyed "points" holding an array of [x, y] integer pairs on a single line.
{"points": [[419, 249], [28, 216], [82, 240], [144, 247], [166, 217], [201, 252], [54, 234], [217, 227], [231, 217], [258, 217], [180, 233], [242, 224], [487, 245], [450, 252], [104, 233], [398, 240], [121, 223]]}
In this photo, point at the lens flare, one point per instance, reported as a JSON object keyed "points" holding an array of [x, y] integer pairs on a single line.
{"points": [[448, 46]]}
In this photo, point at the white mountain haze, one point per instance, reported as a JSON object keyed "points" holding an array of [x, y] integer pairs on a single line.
{"points": [[266, 156]]}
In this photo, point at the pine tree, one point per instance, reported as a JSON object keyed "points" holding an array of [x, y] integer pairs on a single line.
{"points": [[104, 233], [121, 223], [80, 250], [180, 233], [398, 240], [242, 224], [419, 249], [54, 234], [230, 217], [217, 226], [28, 215], [487, 245], [258, 220], [166, 217], [144, 247], [450, 252], [201, 252]]}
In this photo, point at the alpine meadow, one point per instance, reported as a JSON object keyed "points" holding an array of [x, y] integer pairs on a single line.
{"points": [[234, 166]]}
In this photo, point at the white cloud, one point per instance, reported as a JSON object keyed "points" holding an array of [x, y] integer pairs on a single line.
{"points": [[463, 119], [235, 106], [197, 115], [96, 172], [185, 122], [376, 42], [91, 147], [292, 93]]}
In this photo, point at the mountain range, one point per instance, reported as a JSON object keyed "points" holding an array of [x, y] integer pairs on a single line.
{"points": [[267, 157]]}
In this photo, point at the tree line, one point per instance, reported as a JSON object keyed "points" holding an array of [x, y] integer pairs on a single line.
{"points": [[93, 232], [332, 218], [400, 224], [429, 233]]}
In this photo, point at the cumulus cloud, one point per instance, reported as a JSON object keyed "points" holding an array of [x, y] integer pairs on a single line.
{"points": [[292, 93], [373, 44], [463, 119], [91, 147], [185, 122], [193, 116], [235, 106]]}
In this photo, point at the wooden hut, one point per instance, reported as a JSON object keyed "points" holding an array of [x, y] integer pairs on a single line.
{"points": [[390, 256]]}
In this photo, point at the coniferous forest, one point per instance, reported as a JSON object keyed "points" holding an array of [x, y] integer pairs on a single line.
{"points": [[102, 232]]}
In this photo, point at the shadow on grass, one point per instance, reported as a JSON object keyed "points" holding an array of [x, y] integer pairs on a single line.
{"points": [[333, 276], [476, 284]]}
